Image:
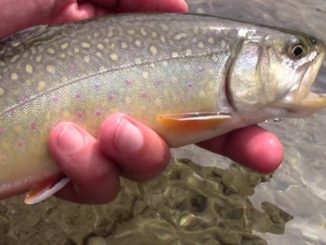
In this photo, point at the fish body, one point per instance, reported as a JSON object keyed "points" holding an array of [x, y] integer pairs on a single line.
{"points": [[188, 77]]}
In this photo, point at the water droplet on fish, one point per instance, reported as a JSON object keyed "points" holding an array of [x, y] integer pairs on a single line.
{"points": [[277, 119]]}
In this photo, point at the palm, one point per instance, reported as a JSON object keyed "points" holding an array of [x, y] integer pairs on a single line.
{"points": [[74, 10], [36, 12]]}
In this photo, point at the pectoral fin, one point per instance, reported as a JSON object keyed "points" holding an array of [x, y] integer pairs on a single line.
{"points": [[45, 189], [193, 121]]}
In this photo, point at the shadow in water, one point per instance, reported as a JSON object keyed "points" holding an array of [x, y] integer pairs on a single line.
{"points": [[188, 204]]}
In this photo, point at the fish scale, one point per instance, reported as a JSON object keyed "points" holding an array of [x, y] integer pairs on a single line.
{"points": [[143, 65]]}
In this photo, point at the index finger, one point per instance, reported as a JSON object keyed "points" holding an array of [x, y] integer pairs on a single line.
{"points": [[252, 147], [143, 5]]}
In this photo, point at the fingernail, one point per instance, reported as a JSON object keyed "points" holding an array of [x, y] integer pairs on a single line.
{"points": [[70, 140], [128, 138]]}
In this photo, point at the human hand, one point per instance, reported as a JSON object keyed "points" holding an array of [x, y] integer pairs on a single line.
{"points": [[125, 147], [19, 14], [128, 148]]}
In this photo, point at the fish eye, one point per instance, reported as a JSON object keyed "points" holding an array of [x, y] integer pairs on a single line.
{"points": [[297, 49]]}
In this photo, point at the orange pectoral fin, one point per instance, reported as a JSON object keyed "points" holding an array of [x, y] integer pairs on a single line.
{"points": [[196, 121], [45, 189]]}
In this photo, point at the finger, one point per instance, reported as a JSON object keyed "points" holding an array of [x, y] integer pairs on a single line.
{"points": [[94, 178], [71, 11], [138, 150], [253, 147], [143, 5]]}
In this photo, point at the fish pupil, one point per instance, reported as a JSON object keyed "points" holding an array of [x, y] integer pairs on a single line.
{"points": [[298, 51]]}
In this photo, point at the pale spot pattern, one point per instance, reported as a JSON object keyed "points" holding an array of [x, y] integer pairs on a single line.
{"points": [[138, 43], [110, 32], [153, 34], [164, 27], [50, 69], [50, 50], [14, 76], [143, 32], [15, 58], [153, 50], [15, 44], [29, 68], [188, 52], [158, 102], [39, 58], [64, 46], [85, 45], [114, 57], [201, 45], [201, 94], [102, 69], [174, 54], [124, 45], [87, 59], [66, 114], [2, 91], [128, 100], [215, 58], [41, 86], [211, 40], [100, 46], [165, 63], [180, 36], [145, 74], [131, 32]]}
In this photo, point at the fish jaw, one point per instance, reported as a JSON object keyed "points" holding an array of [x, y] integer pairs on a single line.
{"points": [[303, 101]]}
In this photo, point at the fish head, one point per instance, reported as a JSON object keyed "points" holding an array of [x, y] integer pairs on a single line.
{"points": [[275, 75]]}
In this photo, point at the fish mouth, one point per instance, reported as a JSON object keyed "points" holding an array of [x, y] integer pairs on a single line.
{"points": [[304, 97], [303, 100]]}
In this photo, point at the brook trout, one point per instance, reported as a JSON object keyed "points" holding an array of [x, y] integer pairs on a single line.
{"points": [[188, 77]]}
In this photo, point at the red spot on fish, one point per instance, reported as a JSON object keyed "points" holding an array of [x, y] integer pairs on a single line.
{"points": [[2, 159], [33, 126], [80, 114], [97, 85], [143, 95], [158, 83], [23, 99], [128, 82], [2, 130], [55, 98], [201, 68], [78, 96], [111, 97], [98, 113], [20, 145]]}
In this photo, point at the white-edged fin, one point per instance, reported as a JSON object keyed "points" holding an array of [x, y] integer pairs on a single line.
{"points": [[38, 195], [193, 121]]}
